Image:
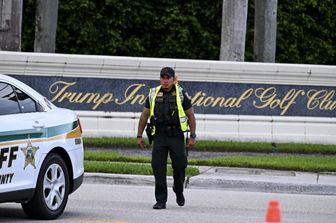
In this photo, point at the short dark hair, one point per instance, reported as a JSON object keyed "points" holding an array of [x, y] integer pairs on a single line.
{"points": [[167, 71]]}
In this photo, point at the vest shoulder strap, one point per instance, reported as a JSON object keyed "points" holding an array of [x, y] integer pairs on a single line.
{"points": [[180, 89], [152, 92]]}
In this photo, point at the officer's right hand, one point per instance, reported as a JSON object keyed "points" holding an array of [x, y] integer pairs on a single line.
{"points": [[141, 143], [191, 143]]}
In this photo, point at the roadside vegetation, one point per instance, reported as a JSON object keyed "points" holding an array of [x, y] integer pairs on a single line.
{"points": [[192, 29], [223, 146], [129, 168], [297, 157]]}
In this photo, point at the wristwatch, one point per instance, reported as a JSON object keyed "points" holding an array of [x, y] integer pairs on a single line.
{"points": [[193, 135]]}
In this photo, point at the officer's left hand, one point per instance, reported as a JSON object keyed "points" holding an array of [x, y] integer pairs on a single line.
{"points": [[191, 143]]}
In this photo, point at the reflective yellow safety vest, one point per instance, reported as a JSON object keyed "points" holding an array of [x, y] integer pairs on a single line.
{"points": [[179, 98]]}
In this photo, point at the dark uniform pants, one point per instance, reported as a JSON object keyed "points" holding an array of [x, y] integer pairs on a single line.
{"points": [[175, 146]]}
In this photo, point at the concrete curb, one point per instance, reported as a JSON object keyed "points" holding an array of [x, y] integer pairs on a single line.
{"points": [[262, 186], [236, 179]]}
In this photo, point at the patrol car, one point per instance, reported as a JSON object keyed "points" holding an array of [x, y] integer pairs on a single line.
{"points": [[41, 151]]}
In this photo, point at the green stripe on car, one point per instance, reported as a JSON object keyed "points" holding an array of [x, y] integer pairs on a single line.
{"points": [[37, 133]]}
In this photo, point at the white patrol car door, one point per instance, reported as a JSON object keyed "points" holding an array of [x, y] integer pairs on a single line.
{"points": [[21, 127]]}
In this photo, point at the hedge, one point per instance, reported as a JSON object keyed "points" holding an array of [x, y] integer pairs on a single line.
{"points": [[182, 29]]}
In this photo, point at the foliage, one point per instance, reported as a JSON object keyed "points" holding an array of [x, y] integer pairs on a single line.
{"points": [[134, 28], [182, 29], [111, 162], [129, 168], [220, 146], [295, 163], [100, 142], [306, 31], [28, 29], [114, 156]]}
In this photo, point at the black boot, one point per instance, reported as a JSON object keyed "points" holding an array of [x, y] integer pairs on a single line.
{"points": [[179, 198], [159, 206]]}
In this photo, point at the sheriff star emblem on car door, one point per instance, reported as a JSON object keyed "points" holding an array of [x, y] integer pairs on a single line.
{"points": [[29, 153]]}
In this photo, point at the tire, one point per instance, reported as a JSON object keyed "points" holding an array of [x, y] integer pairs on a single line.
{"points": [[52, 190]]}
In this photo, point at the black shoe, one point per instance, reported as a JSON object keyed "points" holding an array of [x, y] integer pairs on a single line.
{"points": [[159, 206], [180, 199]]}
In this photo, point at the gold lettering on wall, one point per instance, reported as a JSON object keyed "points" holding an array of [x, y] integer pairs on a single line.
{"points": [[321, 99], [59, 90], [244, 96], [261, 98], [202, 100], [268, 98], [131, 95]]}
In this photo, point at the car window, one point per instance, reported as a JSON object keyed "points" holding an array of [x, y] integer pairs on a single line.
{"points": [[8, 100], [27, 104]]}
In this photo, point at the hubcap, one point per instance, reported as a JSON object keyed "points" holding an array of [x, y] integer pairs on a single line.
{"points": [[54, 186]]}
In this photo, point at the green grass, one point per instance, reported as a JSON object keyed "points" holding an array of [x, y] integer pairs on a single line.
{"points": [[129, 168], [265, 147], [114, 156], [110, 142], [295, 163], [223, 146]]}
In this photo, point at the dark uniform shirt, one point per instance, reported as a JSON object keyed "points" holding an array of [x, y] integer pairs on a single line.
{"points": [[186, 104], [166, 111]]}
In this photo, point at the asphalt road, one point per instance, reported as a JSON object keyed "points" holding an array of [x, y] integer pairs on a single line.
{"points": [[126, 204]]}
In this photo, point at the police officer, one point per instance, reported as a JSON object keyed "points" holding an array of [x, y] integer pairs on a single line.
{"points": [[170, 111]]}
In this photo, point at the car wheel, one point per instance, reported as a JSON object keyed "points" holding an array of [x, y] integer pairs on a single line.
{"points": [[52, 190]]}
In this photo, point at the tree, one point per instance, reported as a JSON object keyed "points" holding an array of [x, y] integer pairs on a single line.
{"points": [[265, 28], [234, 18], [10, 25], [45, 25]]}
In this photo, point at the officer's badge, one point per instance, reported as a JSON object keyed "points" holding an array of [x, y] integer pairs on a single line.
{"points": [[29, 153], [173, 93], [160, 94]]}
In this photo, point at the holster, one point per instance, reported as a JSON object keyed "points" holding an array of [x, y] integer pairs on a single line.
{"points": [[148, 130]]}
